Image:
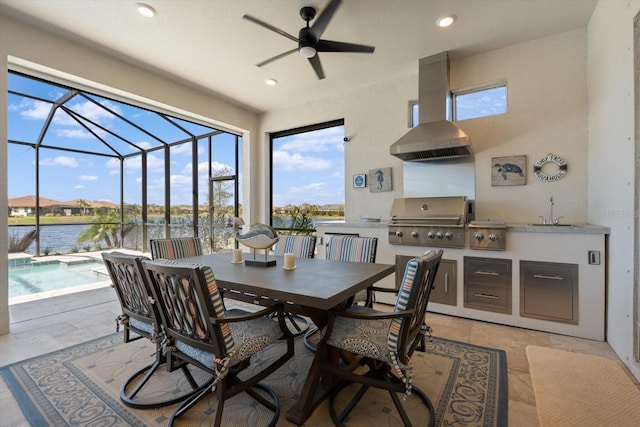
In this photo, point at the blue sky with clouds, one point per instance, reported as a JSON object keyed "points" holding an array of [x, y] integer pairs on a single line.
{"points": [[66, 175]]}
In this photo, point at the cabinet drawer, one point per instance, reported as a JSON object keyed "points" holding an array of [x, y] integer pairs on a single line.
{"points": [[482, 267], [487, 284], [549, 291], [488, 297]]}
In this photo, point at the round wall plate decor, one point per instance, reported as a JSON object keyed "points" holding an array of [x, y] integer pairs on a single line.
{"points": [[550, 168]]}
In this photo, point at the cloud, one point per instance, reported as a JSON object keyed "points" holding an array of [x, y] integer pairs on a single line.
{"points": [[329, 139], [285, 162], [73, 133], [66, 161], [79, 187], [88, 177]]}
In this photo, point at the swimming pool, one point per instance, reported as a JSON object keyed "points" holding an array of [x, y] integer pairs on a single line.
{"points": [[47, 276]]}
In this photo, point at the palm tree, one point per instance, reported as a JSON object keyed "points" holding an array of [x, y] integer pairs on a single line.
{"points": [[107, 227]]}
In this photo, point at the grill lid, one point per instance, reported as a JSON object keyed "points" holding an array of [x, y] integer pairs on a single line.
{"points": [[445, 210]]}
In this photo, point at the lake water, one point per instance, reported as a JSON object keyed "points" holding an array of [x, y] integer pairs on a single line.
{"points": [[57, 238]]}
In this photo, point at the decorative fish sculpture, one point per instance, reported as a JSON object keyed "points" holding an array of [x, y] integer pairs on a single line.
{"points": [[506, 168], [259, 236]]}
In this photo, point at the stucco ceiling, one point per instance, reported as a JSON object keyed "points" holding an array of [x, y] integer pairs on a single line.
{"points": [[207, 44]]}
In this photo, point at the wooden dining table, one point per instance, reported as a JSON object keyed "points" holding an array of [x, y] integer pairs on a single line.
{"points": [[311, 288]]}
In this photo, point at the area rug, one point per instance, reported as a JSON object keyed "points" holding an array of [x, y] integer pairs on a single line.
{"points": [[574, 389], [80, 386]]}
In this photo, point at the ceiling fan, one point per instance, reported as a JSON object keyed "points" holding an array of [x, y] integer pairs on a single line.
{"points": [[309, 42]]}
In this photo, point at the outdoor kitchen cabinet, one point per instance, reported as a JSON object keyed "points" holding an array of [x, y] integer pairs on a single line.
{"points": [[444, 286], [549, 291], [487, 284]]}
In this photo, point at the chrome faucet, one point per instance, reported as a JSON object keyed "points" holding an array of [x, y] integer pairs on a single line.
{"points": [[551, 220]]}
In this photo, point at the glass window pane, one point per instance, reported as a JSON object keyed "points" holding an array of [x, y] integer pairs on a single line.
{"points": [[307, 177], [481, 103]]}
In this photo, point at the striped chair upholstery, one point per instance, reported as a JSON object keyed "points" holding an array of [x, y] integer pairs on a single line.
{"points": [[175, 248], [300, 246], [352, 248]]}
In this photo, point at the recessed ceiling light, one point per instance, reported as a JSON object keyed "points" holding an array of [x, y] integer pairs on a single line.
{"points": [[146, 10], [271, 82], [446, 20]]}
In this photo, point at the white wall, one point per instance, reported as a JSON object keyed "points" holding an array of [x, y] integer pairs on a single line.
{"points": [[547, 113], [612, 180], [22, 41]]}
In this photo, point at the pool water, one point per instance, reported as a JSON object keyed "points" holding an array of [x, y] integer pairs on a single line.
{"points": [[35, 278]]}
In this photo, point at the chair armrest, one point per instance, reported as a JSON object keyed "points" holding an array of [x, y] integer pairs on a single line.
{"points": [[248, 315]]}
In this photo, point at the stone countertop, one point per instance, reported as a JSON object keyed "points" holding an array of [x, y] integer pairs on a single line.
{"points": [[524, 228]]}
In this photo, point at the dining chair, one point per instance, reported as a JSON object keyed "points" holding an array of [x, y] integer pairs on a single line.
{"points": [[201, 332], [349, 248], [140, 319], [301, 246], [384, 341], [175, 247]]}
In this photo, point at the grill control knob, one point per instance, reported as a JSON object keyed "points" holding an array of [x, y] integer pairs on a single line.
{"points": [[414, 234], [479, 236], [431, 235], [448, 235], [493, 237], [398, 233], [439, 235]]}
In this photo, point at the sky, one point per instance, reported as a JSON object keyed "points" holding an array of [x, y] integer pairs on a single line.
{"points": [[66, 176], [308, 167]]}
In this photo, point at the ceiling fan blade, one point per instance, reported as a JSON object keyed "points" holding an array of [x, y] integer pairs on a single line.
{"points": [[270, 27], [323, 20], [331, 46], [282, 55], [317, 66]]}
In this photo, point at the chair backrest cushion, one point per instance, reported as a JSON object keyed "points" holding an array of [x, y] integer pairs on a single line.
{"points": [[175, 248], [301, 246], [352, 248], [416, 286]]}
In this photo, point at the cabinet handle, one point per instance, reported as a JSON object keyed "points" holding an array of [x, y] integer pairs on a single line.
{"points": [[487, 273], [486, 296], [446, 283], [543, 276]]}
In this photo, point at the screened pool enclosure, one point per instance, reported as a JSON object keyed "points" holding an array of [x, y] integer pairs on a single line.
{"points": [[87, 172]]}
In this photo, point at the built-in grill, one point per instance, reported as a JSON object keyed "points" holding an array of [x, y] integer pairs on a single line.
{"points": [[429, 221]]}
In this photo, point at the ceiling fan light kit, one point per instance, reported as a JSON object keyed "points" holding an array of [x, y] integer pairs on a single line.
{"points": [[309, 41]]}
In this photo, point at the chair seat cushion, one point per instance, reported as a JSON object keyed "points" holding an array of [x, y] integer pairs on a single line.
{"points": [[142, 326], [364, 337], [249, 338]]}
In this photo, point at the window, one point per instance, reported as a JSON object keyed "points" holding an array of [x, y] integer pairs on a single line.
{"points": [[307, 176], [480, 102], [471, 104]]}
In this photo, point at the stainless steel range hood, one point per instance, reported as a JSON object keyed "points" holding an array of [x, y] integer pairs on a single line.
{"points": [[435, 138]]}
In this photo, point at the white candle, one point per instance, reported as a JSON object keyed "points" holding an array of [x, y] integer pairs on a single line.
{"points": [[237, 255], [289, 262]]}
